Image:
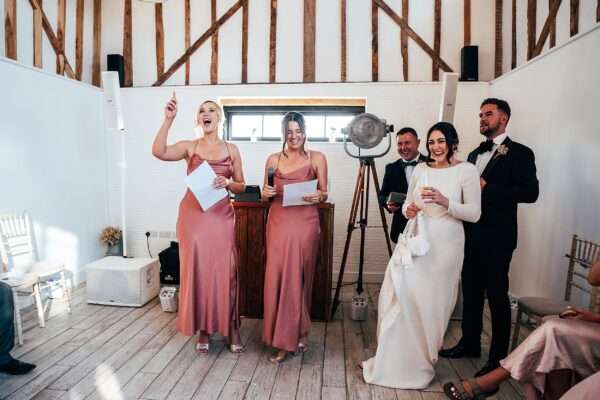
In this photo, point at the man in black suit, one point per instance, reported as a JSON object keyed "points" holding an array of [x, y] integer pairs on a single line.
{"points": [[9, 365], [508, 177], [397, 175]]}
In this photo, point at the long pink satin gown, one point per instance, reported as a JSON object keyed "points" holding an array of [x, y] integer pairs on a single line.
{"points": [[292, 245], [208, 259], [556, 344]]}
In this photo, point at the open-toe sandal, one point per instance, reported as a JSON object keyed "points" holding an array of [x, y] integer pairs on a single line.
{"points": [[455, 390]]}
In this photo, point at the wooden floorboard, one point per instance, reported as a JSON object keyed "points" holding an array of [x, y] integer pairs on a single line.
{"points": [[103, 353]]}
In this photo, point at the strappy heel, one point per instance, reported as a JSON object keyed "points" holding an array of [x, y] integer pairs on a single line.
{"points": [[455, 390]]}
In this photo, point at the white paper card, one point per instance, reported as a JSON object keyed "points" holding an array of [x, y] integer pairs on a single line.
{"points": [[293, 193], [200, 182]]}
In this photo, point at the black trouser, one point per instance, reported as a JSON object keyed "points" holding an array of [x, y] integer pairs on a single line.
{"points": [[7, 322], [485, 271]]}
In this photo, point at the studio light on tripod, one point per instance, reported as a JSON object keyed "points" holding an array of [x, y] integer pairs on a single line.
{"points": [[365, 131]]}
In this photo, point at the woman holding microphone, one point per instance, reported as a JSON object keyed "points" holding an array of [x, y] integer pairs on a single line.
{"points": [[292, 240]]}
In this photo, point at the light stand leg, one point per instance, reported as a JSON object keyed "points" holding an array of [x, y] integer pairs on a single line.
{"points": [[351, 226]]}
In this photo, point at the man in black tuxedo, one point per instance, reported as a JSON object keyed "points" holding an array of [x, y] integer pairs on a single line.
{"points": [[397, 176], [9, 365], [508, 177]]}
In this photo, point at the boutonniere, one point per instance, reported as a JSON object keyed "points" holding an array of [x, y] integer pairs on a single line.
{"points": [[502, 150]]}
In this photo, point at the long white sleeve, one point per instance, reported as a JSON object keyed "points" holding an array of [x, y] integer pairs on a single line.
{"points": [[411, 188], [470, 208]]}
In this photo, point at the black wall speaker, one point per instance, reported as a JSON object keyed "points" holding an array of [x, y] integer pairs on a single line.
{"points": [[116, 62], [469, 66]]}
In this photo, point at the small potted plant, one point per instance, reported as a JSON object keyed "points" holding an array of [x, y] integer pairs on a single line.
{"points": [[112, 237]]}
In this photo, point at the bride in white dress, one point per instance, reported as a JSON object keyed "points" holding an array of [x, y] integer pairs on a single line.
{"points": [[417, 296]]}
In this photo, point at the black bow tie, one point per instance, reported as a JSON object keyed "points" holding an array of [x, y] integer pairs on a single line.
{"points": [[410, 163], [485, 146]]}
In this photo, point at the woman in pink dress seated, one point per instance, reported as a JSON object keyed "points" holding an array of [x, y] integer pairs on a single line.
{"points": [[559, 353], [292, 240], [208, 297]]}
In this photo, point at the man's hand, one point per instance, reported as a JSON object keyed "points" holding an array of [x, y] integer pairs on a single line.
{"points": [[393, 207]]}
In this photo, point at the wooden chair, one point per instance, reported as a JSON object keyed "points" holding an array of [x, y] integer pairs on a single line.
{"points": [[582, 256], [27, 274]]}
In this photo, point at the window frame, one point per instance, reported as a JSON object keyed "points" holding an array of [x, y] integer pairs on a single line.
{"points": [[307, 110]]}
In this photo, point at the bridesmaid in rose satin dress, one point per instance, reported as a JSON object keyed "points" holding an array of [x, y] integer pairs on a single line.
{"points": [[208, 297], [292, 241]]}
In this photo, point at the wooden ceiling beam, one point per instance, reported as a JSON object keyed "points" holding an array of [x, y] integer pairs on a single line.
{"points": [[79, 39], [467, 22], [214, 46], [53, 40], [343, 55], [374, 42], [273, 42], [127, 43], [187, 37], [196, 45], [159, 39], [404, 42], [498, 46], [97, 40], [61, 11], [546, 29], [245, 12], [574, 26], [437, 36], [308, 70], [37, 37], [412, 34], [531, 27]]}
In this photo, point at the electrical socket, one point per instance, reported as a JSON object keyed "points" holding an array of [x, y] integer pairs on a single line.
{"points": [[161, 234]]}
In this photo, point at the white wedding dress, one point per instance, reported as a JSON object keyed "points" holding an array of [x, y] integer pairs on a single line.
{"points": [[417, 297]]}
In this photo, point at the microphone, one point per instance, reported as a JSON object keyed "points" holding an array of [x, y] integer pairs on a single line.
{"points": [[270, 174]]}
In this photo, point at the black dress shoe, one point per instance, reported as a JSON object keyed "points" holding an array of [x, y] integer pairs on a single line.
{"points": [[460, 351], [16, 367], [488, 367]]}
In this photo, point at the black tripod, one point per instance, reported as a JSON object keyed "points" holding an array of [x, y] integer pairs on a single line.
{"points": [[361, 199]]}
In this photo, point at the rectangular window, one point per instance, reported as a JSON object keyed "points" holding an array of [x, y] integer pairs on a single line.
{"points": [[263, 122]]}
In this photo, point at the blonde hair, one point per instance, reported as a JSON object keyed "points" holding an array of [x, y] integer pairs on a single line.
{"points": [[219, 111]]}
